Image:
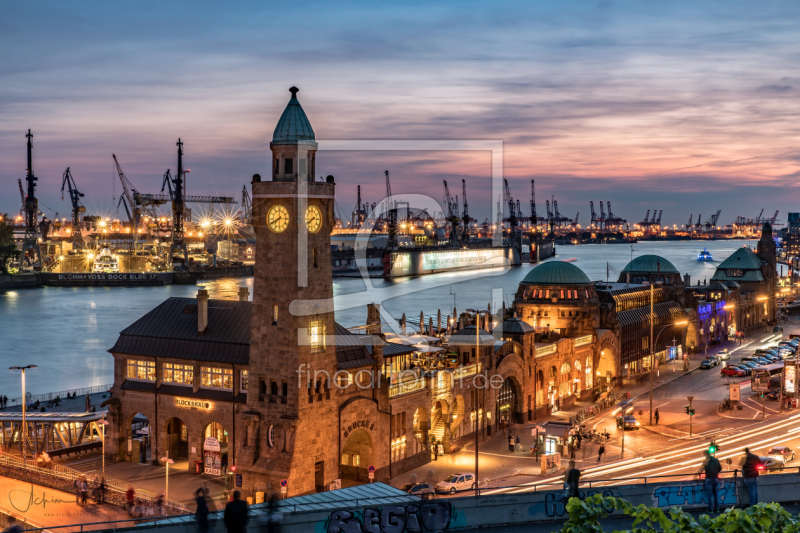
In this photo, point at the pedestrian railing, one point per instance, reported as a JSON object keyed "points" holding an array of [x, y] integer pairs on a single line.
{"points": [[406, 387], [62, 478], [61, 394]]}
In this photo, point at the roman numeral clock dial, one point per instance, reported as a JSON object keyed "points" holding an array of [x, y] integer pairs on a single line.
{"points": [[313, 219], [278, 218]]}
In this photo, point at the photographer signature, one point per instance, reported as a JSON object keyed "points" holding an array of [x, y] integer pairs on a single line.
{"points": [[30, 499]]}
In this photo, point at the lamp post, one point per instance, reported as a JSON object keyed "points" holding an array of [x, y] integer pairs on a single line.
{"points": [[103, 424], [653, 357], [24, 402], [168, 462]]}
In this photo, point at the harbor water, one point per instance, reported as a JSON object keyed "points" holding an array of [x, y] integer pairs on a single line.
{"points": [[67, 331]]}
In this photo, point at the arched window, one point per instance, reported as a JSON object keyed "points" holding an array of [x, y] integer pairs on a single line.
{"points": [[589, 372], [565, 368], [577, 365]]}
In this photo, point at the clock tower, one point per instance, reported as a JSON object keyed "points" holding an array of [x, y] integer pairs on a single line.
{"points": [[292, 346]]}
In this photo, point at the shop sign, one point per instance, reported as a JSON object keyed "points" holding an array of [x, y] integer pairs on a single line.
{"points": [[194, 404], [789, 386], [211, 445], [366, 424], [212, 458]]}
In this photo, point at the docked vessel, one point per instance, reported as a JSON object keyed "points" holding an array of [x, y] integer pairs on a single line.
{"points": [[105, 262], [705, 255]]}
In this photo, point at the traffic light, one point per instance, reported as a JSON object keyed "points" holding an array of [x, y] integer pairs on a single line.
{"points": [[686, 409], [691, 412], [712, 448]]}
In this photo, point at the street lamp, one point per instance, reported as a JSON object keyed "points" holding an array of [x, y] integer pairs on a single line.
{"points": [[168, 462], [103, 424], [653, 357], [24, 427]]}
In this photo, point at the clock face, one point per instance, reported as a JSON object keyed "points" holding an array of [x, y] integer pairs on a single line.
{"points": [[313, 219], [278, 218]]}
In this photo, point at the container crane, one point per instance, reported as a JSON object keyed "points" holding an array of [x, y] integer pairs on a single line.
{"points": [[698, 225], [711, 223], [657, 221], [465, 215], [574, 223], [602, 219], [688, 225], [593, 215], [646, 222], [534, 217], [75, 198], [452, 215], [31, 241]]}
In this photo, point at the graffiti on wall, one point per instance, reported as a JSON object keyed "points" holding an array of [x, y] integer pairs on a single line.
{"points": [[554, 505], [670, 495], [416, 517]]}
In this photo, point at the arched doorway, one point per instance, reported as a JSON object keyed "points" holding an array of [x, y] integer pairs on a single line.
{"points": [[605, 368], [440, 416], [576, 378], [215, 449], [177, 443], [357, 456], [139, 439], [588, 373], [507, 402]]}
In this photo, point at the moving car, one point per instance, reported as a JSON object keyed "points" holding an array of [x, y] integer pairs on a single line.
{"points": [[723, 355], [424, 490], [630, 422], [771, 463], [456, 482], [777, 329], [783, 453], [707, 364]]}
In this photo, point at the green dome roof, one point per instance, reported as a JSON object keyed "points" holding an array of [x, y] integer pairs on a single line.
{"points": [[293, 125], [556, 273], [650, 263]]}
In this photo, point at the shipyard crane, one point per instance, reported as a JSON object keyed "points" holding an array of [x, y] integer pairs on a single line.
{"points": [[773, 219], [31, 241], [359, 213], [246, 211], [574, 223], [657, 221], [534, 217], [698, 225], [549, 212], [178, 243], [132, 199], [391, 217], [556, 214], [452, 215], [612, 219], [75, 198], [465, 215], [688, 225], [593, 215]]}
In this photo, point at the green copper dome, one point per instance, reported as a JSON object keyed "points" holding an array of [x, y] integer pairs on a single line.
{"points": [[293, 125], [650, 263], [556, 273]]}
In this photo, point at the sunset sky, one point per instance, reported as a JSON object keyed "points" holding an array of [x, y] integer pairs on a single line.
{"points": [[687, 107]]}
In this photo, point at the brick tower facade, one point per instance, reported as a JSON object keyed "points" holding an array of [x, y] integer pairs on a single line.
{"points": [[288, 406]]}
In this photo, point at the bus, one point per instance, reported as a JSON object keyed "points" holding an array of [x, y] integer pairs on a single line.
{"points": [[762, 376]]}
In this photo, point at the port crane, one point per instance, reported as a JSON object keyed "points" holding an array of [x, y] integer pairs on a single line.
{"points": [[31, 241], [574, 223], [601, 220], [465, 215], [452, 215], [391, 216], [359, 213], [612, 220], [711, 223], [688, 225], [534, 218], [646, 222], [75, 198], [593, 215], [698, 225]]}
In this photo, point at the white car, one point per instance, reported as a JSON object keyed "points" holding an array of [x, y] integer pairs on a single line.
{"points": [[724, 355], [456, 482]]}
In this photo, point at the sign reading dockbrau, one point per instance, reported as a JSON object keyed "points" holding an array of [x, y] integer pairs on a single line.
{"points": [[107, 277], [196, 404], [365, 424], [459, 258]]}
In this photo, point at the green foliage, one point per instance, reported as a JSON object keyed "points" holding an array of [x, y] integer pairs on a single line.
{"points": [[8, 250], [585, 516]]}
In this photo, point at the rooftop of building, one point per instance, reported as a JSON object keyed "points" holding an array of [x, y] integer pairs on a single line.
{"points": [[516, 326], [170, 330], [743, 258], [293, 125], [650, 263], [466, 337], [556, 273]]}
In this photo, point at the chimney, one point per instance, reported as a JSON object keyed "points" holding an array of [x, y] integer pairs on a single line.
{"points": [[244, 294], [202, 311], [687, 280]]}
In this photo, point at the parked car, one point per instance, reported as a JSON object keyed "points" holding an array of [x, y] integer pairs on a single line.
{"points": [[732, 371], [707, 364], [777, 329], [723, 355], [746, 369], [456, 482], [784, 453], [424, 490]]}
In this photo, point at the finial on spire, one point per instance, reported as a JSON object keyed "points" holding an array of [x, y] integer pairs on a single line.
{"points": [[294, 91]]}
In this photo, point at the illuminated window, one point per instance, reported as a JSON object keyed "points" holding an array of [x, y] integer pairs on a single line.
{"points": [[180, 374], [243, 380], [316, 335], [221, 378], [145, 370]]}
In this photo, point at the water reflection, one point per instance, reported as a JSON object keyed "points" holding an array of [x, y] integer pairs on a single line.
{"points": [[66, 331]]}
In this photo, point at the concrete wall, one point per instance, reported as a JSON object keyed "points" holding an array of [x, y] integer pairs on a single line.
{"points": [[470, 512]]}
